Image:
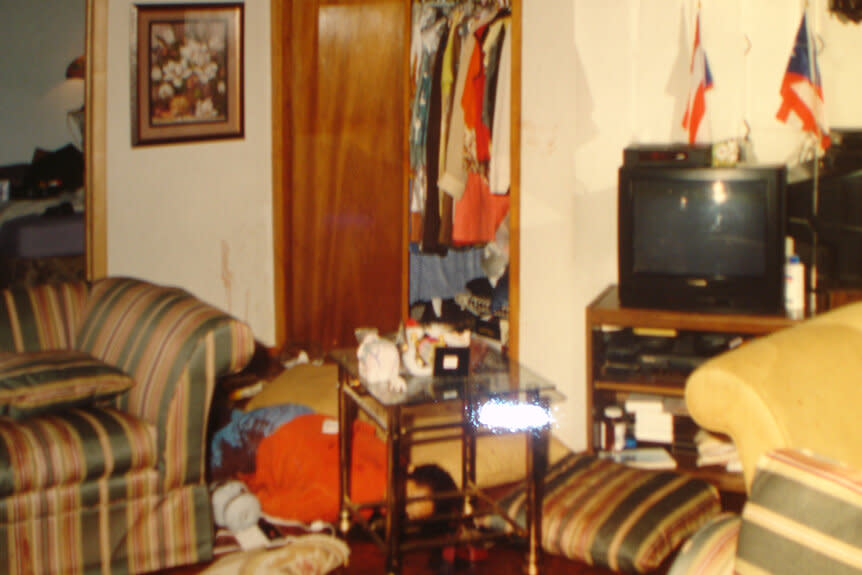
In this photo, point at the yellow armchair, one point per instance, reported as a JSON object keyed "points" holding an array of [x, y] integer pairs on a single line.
{"points": [[797, 388]]}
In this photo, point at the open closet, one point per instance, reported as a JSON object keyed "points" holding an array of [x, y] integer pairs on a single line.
{"points": [[365, 234]]}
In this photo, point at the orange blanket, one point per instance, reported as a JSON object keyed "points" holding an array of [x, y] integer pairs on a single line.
{"points": [[296, 476]]}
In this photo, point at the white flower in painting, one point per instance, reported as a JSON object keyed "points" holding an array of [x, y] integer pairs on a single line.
{"points": [[205, 109], [207, 72], [176, 72], [216, 39], [221, 88], [165, 33], [195, 54], [166, 91], [156, 74]]}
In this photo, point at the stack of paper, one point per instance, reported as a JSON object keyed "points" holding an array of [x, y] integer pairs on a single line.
{"points": [[715, 449], [643, 457], [653, 417]]}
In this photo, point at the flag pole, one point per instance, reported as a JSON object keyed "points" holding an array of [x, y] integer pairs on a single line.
{"points": [[815, 194]]}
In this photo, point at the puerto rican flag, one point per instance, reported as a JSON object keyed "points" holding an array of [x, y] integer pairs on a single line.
{"points": [[801, 91], [700, 81]]}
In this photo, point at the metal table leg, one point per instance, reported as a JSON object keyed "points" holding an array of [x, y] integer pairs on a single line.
{"points": [[395, 493], [537, 463]]}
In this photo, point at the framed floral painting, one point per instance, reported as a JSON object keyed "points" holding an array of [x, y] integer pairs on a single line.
{"points": [[187, 74]]}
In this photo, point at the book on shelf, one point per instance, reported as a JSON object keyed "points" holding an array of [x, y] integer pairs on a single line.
{"points": [[655, 417], [655, 426], [716, 449], [638, 402], [642, 457]]}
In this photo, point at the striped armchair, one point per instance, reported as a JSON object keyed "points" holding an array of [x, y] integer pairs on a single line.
{"points": [[111, 482]]}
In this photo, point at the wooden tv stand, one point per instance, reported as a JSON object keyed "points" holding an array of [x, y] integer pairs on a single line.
{"points": [[607, 385]]}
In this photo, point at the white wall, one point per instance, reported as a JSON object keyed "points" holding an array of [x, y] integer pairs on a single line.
{"points": [[197, 215], [598, 76], [38, 40]]}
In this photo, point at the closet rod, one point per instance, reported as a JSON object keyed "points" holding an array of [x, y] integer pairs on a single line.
{"points": [[451, 3]]}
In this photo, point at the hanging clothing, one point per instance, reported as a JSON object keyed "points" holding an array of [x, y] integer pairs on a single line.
{"points": [[430, 37], [461, 103], [454, 178], [477, 134], [431, 226], [500, 166], [478, 213]]}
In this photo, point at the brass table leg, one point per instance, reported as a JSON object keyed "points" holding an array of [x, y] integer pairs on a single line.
{"points": [[346, 416], [395, 492], [468, 453], [537, 463]]}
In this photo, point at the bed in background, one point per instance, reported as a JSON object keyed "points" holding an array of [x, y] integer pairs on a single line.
{"points": [[42, 219]]}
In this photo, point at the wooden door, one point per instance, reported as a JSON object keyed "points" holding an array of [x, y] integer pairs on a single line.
{"points": [[340, 71]]}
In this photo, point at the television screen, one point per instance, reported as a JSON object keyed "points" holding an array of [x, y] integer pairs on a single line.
{"points": [[702, 228], [702, 238]]}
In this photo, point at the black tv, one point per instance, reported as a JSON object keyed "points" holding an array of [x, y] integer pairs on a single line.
{"points": [[707, 239]]}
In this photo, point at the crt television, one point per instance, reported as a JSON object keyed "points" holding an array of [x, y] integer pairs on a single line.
{"points": [[707, 239]]}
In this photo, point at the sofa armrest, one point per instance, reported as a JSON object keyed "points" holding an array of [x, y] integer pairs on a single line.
{"points": [[799, 387], [41, 318], [174, 346]]}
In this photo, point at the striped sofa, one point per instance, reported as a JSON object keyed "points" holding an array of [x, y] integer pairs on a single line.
{"points": [[111, 480]]}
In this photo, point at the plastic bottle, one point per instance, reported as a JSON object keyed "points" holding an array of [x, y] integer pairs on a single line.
{"points": [[794, 283], [614, 436]]}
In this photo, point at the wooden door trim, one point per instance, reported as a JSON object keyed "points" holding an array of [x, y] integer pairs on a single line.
{"points": [[95, 134], [515, 187], [279, 167]]}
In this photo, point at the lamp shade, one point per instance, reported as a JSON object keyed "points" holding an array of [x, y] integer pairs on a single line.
{"points": [[76, 68]]}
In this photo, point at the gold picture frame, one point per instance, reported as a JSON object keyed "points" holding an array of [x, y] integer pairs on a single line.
{"points": [[187, 72]]}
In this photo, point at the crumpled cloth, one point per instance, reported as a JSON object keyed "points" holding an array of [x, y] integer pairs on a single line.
{"points": [[233, 448], [296, 477]]}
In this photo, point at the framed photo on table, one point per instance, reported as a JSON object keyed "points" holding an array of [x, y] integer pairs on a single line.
{"points": [[187, 72]]}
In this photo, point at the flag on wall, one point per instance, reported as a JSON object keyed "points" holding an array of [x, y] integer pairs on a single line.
{"points": [[801, 91], [699, 82]]}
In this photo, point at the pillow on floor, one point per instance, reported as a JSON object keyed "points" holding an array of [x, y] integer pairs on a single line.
{"points": [[39, 382], [710, 551], [803, 515], [615, 516], [306, 384]]}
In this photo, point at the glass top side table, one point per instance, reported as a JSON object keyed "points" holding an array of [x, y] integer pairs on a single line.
{"points": [[497, 396]]}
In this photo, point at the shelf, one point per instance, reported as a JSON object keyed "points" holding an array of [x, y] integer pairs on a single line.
{"points": [[672, 389], [606, 310], [614, 373]]}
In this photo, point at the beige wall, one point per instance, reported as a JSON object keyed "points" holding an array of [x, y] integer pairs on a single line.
{"points": [[596, 77], [601, 75], [198, 215]]}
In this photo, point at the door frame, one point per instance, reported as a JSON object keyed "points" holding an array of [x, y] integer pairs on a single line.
{"points": [[95, 131]]}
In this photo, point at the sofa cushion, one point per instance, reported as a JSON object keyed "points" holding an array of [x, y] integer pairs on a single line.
{"points": [[803, 515], [620, 517], [74, 446], [39, 382], [41, 317], [710, 551]]}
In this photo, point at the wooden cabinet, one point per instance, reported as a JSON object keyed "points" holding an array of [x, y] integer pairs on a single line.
{"points": [[610, 380], [341, 94]]}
